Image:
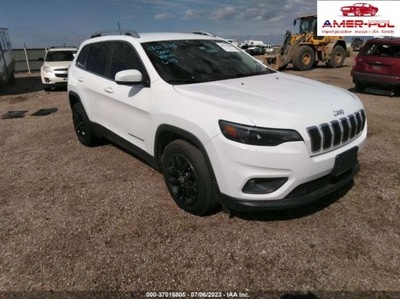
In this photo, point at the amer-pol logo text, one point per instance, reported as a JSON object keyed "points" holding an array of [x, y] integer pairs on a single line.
{"points": [[348, 18]]}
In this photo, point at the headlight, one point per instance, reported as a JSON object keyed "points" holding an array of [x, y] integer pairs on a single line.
{"points": [[256, 135], [47, 69]]}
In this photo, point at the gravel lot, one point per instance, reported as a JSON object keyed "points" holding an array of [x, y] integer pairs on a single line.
{"points": [[98, 219]]}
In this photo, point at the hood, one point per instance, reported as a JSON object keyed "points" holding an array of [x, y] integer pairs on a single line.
{"points": [[275, 100]]}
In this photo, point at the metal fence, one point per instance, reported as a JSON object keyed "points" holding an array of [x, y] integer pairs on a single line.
{"points": [[27, 60]]}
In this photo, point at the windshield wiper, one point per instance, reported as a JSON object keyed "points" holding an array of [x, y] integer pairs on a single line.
{"points": [[183, 81]]}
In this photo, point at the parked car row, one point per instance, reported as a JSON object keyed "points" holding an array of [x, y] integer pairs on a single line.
{"points": [[257, 49]]}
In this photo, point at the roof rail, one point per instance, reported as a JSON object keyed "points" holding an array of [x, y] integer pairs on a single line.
{"points": [[115, 32], [60, 47], [204, 33]]}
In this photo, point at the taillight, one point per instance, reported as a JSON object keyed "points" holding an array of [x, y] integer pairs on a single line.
{"points": [[355, 61]]}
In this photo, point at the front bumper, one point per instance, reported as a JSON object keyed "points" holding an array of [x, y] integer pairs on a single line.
{"points": [[300, 196], [59, 78], [308, 177]]}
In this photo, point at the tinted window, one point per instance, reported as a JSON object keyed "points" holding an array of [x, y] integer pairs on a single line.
{"points": [[60, 55], [97, 59], [81, 60], [382, 50], [124, 58]]}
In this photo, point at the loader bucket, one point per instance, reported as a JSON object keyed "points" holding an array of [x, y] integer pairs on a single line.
{"points": [[273, 61]]}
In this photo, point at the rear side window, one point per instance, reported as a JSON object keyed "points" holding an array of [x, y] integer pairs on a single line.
{"points": [[98, 58], [382, 50], [81, 60]]}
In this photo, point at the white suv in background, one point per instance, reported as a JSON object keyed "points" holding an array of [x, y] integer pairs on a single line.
{"points": [[54, 71], [222, 128]]}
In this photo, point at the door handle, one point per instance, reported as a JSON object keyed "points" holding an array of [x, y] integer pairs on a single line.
{"points": [[109, 89], [80, 79]]}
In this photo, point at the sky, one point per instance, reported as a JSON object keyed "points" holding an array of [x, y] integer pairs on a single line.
{"points": [[46, 23]]}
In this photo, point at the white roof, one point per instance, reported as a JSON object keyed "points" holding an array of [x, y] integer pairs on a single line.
{"points": [[62, 49]]}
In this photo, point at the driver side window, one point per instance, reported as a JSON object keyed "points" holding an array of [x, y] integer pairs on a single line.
{"points": [[124, 57]]}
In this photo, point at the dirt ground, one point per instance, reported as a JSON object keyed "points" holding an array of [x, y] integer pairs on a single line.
{"points": [[78, 221]]}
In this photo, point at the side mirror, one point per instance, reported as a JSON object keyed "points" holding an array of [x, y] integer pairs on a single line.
{"points": [[129, 77]]}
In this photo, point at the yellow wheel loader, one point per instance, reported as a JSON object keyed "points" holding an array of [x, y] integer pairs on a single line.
{"points": [[306, 49]]}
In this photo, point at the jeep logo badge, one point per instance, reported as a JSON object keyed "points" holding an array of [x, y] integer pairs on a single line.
{"points": [[338, 112]]}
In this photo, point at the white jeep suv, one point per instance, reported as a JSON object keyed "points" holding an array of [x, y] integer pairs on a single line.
{"points": [[221, 127], [54, 71]]}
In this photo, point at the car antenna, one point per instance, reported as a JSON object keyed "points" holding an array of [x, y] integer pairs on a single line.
{"points": [[119, 28]]}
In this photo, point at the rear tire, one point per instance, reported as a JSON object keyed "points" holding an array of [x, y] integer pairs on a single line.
{"points": [[359, 87], [337, 58], [303, 58], [83, 128], [188, 178]]}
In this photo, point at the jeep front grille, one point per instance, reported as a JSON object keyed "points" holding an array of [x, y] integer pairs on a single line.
{"points": [[330, 135]]}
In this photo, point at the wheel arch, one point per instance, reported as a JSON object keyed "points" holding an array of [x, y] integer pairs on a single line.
{"points": [[73, 99], [167, 133]]}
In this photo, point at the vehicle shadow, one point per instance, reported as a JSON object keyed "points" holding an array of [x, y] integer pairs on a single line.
{"points": [[379, 91], [294, 213], [23, 85]]}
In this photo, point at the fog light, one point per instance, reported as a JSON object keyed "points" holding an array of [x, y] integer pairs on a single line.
{"points": [[47, 80], [263, 185]]}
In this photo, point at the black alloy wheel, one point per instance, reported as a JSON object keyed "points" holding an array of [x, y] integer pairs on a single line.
{"points": [[188, 178], [182, 179], [82, 126]]}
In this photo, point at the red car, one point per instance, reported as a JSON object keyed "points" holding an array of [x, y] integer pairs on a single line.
{"points": [[378, 63], [359, 9]]}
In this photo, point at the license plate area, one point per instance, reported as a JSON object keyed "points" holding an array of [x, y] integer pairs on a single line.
{"points": [[345, 161]]}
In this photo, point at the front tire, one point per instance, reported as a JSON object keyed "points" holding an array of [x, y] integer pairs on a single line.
{"points": [[303, 58], [82, 126], [188, 178]]}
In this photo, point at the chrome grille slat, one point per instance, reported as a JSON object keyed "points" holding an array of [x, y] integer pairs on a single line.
{"points": [[326, 136], [353, 125], [331, 135], [359, 122], [346, 128], [337, 132]]}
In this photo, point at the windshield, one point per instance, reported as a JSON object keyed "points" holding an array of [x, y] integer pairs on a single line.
{"points": [[60, 55], [193, 61]]}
